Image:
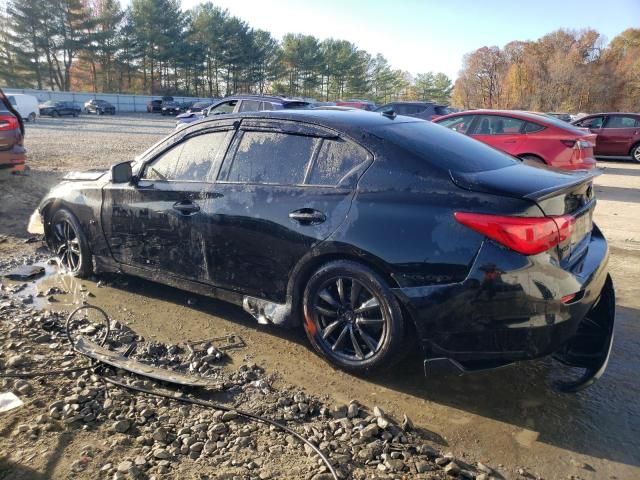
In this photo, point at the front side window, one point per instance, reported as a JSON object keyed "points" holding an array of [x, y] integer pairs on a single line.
{"points": [[593, 122], [271, 158], [460, 124], [336, 160], [619, 121], [496, 125], [190, 160]]}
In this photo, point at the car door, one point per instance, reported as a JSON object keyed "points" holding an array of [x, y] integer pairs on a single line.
{"points": [[283, 189], [159, 222], [617, 134], [501, 132]]}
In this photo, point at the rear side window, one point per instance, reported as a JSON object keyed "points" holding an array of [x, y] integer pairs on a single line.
{"points": [[443, 148], [336, 159], [249, 106], [618, 121], [266, 106], [191, 160], [271, 158], [496, 125], [531, 127]]}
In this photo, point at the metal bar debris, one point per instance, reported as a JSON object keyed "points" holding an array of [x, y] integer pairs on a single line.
{"points": [[92, 350]]}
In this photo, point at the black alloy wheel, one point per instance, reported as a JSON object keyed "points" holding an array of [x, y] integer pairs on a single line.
{"points": [[352, 317], [69, 244]]}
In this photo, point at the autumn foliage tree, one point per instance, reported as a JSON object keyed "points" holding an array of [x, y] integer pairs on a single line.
{"points": [[565, 70]]}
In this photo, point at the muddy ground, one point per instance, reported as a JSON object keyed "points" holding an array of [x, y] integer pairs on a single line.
{"points": [[511, 419]]}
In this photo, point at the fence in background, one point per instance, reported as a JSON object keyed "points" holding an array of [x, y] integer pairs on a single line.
{"points": [[122, 102]]}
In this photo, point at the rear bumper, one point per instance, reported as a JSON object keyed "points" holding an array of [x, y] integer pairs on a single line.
{"points": [[509, 308]]}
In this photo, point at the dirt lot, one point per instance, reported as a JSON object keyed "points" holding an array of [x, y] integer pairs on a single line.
{"points": [[510, 419]]}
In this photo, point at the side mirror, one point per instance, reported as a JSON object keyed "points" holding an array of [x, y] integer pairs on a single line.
{"points": [[121, 173]]}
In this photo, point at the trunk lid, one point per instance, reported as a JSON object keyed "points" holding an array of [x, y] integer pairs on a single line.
{"points": [[555, 192]]}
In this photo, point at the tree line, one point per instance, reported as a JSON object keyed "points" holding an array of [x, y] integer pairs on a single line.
{"points": [[154, 47], [570, 71]]}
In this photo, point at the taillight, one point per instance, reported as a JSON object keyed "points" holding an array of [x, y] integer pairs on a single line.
{"points": [[526, 235], [577, 144], [8, 122]]}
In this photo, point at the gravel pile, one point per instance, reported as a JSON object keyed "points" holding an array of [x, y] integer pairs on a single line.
{"points": [[152, 437]]}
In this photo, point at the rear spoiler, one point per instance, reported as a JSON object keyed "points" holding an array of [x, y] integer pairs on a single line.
{"points": [[583, 176]]}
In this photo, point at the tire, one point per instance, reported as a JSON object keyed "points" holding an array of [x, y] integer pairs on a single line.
{"points": [[75, 114], [356, 341], [533, 160], [31, 118], [69, 244], [55, 114], [635, 153]]}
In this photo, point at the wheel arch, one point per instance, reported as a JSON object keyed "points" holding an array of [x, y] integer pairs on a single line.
{"points": [[636, 144], [522, 156]]}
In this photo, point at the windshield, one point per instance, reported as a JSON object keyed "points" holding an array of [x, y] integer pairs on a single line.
{"points": [[445, 148], [49, 103]]}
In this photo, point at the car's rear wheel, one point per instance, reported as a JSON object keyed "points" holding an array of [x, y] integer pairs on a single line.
{"points": [[352, 318], [635, 153], [55, 114], [70, 244], [31, 117]]}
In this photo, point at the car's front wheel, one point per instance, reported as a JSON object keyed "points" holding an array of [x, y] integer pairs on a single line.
{"points": [[70, 244], [352, 318], [635, 153]]}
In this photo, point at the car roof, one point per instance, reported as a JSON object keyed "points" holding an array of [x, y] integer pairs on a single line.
{"points": [[262, 98], [521, 114], [347, 121], [610, 113]]}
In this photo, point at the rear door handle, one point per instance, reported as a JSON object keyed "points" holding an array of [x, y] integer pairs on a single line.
{"points": [[186, 207], [307, 216]]}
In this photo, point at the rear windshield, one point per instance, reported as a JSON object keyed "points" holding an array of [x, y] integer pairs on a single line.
{"points": [[556, 122], [445, 148]]}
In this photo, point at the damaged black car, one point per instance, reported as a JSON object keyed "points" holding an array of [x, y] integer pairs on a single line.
{"points": [[364, 229]]}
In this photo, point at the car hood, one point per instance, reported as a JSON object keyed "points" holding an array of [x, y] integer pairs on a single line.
{"points": [[85, 175], [189, 115]]}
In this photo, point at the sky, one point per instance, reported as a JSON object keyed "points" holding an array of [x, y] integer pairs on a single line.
{"points": [[429, 35]]}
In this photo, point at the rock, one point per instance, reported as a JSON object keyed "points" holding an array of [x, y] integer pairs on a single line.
{"points": [[16, 361], [160, 435], [231, 415], [484, 468], [442, 461], [339, 411], [161, 454], [369, 431], [123, 467], [383, 422], [353, 410], [23, 387], [218, 428], [140, 461], [407, 424], [377, 411], [422, 466], [322, 476], [121, 426], [452, 469]]}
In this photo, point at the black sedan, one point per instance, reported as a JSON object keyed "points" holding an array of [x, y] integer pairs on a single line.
{"points": [[99, 107], [58, 109], [365, 230], [170, 108]]}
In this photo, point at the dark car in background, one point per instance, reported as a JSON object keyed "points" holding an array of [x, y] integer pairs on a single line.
{"points": [[369, 231], [618, 133], [242, 103], [12, 151], [154, 106], [565, 117], [359, 104], [53, 108], [533, 137], [169, 107], [425, 110], [99, 107]]}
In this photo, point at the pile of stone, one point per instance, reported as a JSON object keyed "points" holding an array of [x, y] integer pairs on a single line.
{"points": [[156, 437]]}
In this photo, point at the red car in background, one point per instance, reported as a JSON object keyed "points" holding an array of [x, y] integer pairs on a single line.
{"points": [[360, 104], [12, 152], [533, 137], [618, 133]]}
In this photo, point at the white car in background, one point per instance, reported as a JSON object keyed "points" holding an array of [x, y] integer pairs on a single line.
{"points": [[25, 105]]}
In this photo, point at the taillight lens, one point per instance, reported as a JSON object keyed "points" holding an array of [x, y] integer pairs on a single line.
{"points": [[525, 235], [8, 122]]}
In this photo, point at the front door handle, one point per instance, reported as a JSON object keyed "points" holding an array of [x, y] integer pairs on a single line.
{"points": [[307, 216], [186, 207]]}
